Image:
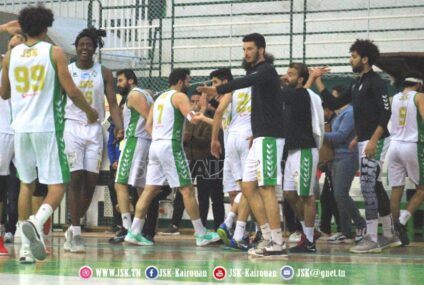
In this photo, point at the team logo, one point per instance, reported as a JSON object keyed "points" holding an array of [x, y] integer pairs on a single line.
{"points": [[287, 272], [151, 272], [219, 273], [86, 272]]}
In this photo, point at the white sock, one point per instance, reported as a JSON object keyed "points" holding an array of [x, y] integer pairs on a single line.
{"points": [[387, 224], [230, 219], [404, 217], [240, 230], [137, 226], [372, 227], [44, 213], [303, 225], [199, 229], [277, 236], [309, 233], [266, 231], [257, 227], [126, 220], [76, 230]]}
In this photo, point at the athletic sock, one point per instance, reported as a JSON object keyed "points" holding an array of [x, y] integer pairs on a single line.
{"points": [[126, 220], [277, 236], [387, 224], [230, 219], [266, 231], [372, 227], [239, 231], [137, 226], [199, 229], [404, 217], [309, 233], [44, 213]]}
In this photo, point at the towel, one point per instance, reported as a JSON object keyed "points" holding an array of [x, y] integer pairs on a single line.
{"points": [[317, 114]]}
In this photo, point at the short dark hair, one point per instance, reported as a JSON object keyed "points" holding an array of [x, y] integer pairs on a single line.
{"points": [[35, 20], [366, 48], [222, 74], [339, 89], [302, 70], [128, 73], [94, 34], [178, 74], [257, 38], [411, 74]]}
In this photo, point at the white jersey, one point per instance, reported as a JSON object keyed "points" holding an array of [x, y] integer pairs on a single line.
{"points": [[90, 82], [240, 112], [168, 122], [37, 103], [134, 123], [406, 122], [6, 115], [226, 120]]}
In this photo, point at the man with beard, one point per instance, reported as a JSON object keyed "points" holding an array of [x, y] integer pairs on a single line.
{"points": [[371, 108], [133, 158], [83, 142], [167, 161], [262, 172]]}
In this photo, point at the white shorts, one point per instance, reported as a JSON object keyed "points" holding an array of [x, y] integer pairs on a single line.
{"points": [[299, 174], [168, 163], [237, 151], [380, 153], [45, 151], [133, 162], [403, 160], [6, 152], [84, 145], [263, 163], [228, 181]]}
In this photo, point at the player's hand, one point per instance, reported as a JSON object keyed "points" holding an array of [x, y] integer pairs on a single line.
{"points": [[216, 149], [11, 27], [196, 117], [208, 90], [352, 144], [119, 135], [370, 149], [92, 116], [318, 71]]}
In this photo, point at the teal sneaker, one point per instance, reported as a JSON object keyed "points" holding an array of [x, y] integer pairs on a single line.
{"points": [[137, 239], [207, 238]]}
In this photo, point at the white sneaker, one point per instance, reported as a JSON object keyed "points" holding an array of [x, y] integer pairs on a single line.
{"points": [[339, 238], [32, 230], [295, 237], [25, 255], [68, 239], [8, 237], [77, 244]]}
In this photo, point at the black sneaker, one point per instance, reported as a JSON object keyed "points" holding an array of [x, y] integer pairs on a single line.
{"points": [[119, 237], [170, 231], [305, 247], [402, 232], [274, 249]]}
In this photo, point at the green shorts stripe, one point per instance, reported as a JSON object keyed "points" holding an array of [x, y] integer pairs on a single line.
{"points": [[269, 161], [63, 160], [379, 149], [306, 171], [420, 151], [184, 175], [125, 160]]}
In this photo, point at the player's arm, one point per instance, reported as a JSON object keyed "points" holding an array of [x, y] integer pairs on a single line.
{"points": [[115, 111], [419, 101], [5, 83], [138, 101], [181, 102], [379, 91], [149, 122], [216, 148], [11, 27], [69, 86]]}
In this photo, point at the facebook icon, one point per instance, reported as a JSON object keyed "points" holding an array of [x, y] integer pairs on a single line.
{"points": [[151, 272]]}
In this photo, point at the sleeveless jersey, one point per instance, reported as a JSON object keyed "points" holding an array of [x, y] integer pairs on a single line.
{"points": [[134, 123], [37, 103], [240, 112], [168, 122], [6, 115], [90, 82]]}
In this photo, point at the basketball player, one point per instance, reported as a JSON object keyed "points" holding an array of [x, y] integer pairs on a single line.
{"points": [[32, 75], [406, 151], [262, 167], [371, 109], [133, 159], [236, 151], [7, 150], [167, 161], [84, 142]]}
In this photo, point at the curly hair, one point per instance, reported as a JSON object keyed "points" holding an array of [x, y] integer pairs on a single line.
{"points": [[35, 20], [94, 34], [366, 48]]}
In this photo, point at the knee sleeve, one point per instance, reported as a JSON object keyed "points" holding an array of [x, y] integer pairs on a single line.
{"points": [[369, 173]]}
